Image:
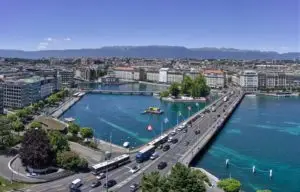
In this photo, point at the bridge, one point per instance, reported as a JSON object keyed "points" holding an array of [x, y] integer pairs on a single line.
{"points": [[190, 144], [120, 92]]}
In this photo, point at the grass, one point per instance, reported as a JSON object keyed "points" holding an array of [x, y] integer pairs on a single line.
{"points": [[6, 185]]}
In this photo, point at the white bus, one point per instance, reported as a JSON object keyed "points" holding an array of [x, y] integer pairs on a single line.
{"points": [[110, 164]]}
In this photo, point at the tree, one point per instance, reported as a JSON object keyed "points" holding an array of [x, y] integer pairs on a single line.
{"points": [[73, 128], [17, 126], [184, 179], [12, 117], [199, 87], [230, 185], [6, 137], [86, 132], [174, 89], [70, 161], [36, 151], [21, 114], [153, 182], [58, 141], [164, 94], [186, 85], [36, 124]]}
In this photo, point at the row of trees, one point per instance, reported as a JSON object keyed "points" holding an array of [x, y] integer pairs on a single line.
{"points": [[40, 150], [181, 178], [194, 88]]}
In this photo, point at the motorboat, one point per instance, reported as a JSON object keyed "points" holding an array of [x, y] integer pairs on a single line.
{"points": [[153, 110]]}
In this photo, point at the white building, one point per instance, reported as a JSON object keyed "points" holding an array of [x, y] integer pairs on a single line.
{"points": [[124, 73], [163, 75], [174, 76], [249, 80], [152, 76], [214, 78]]}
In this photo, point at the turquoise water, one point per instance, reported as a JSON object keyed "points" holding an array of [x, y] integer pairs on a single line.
{"points": [[120, 115], [264, 132]]}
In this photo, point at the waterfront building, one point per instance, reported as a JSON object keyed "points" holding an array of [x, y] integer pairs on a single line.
{"points": [[124, 73], [67, 78], [192, 74], [293, 80], [249, 80], [18, 93], [174, 76], [139, 74], [152, 76], [163, 75], [214, 78], [87, 73]]}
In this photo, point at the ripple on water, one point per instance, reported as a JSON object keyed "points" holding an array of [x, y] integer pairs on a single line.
{"points": [[233, 131]]}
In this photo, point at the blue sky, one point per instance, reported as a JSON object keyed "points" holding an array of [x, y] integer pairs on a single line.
{"points": [[272, 25]]}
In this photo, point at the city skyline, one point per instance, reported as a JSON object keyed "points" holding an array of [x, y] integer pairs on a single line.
{"points": [[54, 25]]}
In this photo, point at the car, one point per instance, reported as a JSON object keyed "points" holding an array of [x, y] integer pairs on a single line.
{"points": [[166, 148], [101, 176], [186, 143], [175, 140], [110, 184], [219, 115], [185, 130], [197, 132], [95, 184], [179, 128], [154, 156], [173, 133], [134, 169], [134, 187], [160, 146], [162, 165], [170, 139]]}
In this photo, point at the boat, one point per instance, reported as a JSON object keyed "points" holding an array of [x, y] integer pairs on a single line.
{"points": [[126, 144], [153, 110], [69, 119]]}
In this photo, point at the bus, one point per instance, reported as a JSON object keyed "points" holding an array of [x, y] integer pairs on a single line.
{"points": [[145, 153], [110, 164]]}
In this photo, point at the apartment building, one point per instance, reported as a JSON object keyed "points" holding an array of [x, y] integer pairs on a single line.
{"points": [[1, 100], [152, 76], [174, 76], [163, 75], [124, 73], [214, 78], [249, 80], [66, 78]]}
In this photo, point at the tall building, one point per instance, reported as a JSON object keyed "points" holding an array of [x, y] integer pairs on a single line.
{"points": [[1, 100], [67, 78], [124, 73], [163, 75], [152, 75], [249, 80], [175, 76], [214, 78]]}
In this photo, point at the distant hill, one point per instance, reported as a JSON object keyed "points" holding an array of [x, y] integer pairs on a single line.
{"points": [[152, 52]]}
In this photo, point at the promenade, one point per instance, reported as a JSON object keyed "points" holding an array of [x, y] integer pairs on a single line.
{"points": [[65, 106]]}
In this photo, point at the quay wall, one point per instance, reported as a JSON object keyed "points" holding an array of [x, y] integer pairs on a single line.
{"points": [[187, 158], [67, 105]]}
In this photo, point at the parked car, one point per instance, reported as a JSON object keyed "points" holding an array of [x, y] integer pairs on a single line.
{"points": [[185, 130], [95, 184], [173, 133], [110, 183], [166, 148], [197, 132], [175, 140], [162, 165], [160, 146]]}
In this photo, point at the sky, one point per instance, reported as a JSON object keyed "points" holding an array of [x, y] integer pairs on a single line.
{"points": [[267, 25]]}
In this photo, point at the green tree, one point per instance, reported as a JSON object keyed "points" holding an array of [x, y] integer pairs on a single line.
{"points": [[185, 179], [36, 151], [17, 126], [153, 182], [70, 161], [199, 87], [164, 94], [6, 137], [86, 132], [174, 89], [21, 113], [12, 117], [58, 141], [73, 128], [186, 85], [230, 185], [35, 124]]}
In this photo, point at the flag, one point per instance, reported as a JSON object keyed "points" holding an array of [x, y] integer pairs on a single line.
{"points": [[149, 128], [189, 108], [179, 113], [166, 120]]}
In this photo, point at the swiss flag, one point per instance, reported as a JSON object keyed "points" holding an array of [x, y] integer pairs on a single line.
{"points": [[149, 128]]}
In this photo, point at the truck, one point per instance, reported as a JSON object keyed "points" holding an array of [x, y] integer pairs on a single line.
{"points": [[76, 184], [145, 153]]}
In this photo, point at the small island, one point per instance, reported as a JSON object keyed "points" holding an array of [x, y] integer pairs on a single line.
{"points": [[188, 90]]}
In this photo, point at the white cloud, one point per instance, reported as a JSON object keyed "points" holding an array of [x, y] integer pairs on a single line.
{"points": [[49, 39], [42, 45], [67, 39]]}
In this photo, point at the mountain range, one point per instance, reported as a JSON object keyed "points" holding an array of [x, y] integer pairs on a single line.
{"points": [[153, 52]]}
